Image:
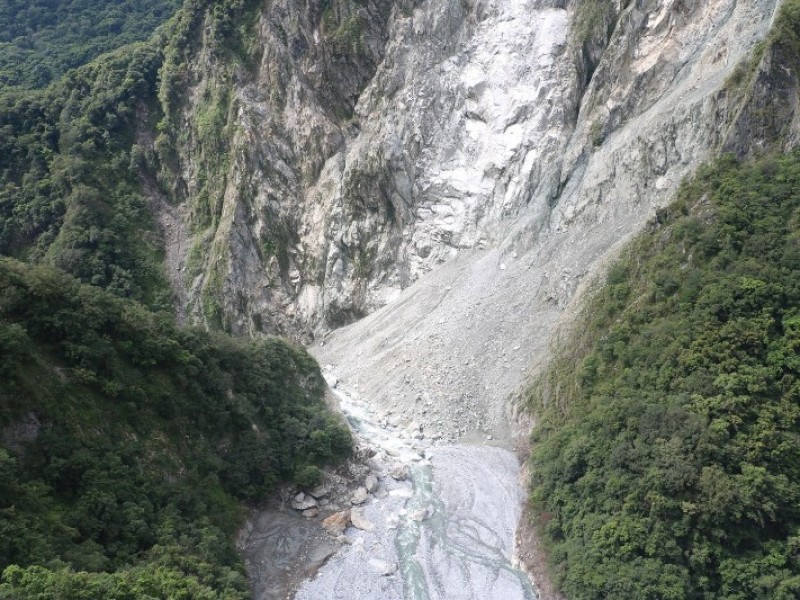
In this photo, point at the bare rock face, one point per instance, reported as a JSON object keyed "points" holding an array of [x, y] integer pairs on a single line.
{"points": [[250, 141], [455, 170], [551, 147], [377, 140]]}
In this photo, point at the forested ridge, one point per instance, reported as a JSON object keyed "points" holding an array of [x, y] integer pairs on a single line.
{"points": [[70, 189], [130, 447], [666, 461], [74, 157], [42, 39], [129, 444]]}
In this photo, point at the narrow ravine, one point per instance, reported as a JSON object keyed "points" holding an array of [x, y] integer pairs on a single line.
{"points": [[446, 531]]}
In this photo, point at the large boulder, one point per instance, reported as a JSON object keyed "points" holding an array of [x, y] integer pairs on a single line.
{"points": [[359, 520], [337, 522]]}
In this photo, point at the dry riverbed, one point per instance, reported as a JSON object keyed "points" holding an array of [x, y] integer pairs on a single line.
{"points": [[406, 520]]}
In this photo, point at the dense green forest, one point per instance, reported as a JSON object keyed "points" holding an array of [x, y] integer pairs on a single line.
{"points": [[129, 444], [74, 157], [42, 39], [70, 189], [666, 463]]}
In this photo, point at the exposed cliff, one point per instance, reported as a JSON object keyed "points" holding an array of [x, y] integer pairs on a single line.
{"points": [[609, 139], [322, 178], [339, 153], [253, 112], [464, 164]]}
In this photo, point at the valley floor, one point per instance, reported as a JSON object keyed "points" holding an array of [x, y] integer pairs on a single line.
{"points": [[439, 524]]}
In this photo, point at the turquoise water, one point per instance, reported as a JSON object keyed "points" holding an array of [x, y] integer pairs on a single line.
{"points": [[467, 500], [459, 539]]}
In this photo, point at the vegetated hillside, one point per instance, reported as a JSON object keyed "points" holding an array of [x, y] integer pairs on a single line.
{"points": [[666, 462], [76, 158], [128, 445], [41, 39], [70, 189]]}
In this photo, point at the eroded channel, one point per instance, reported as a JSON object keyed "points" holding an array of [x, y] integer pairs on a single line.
{"points": [[445, 532]]}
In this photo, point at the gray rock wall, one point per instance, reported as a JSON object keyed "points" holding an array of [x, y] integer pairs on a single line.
{"points": [[454, 171], [539, 213]]}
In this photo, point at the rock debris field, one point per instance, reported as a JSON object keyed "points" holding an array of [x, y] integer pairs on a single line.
{"points": [[410, 520]]}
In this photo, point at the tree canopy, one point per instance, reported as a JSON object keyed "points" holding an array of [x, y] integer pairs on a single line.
{"points": [[129, 444], [40, 40], [667, 459]]}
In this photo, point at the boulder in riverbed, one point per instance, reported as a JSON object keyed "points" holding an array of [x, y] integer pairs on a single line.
{"points": [[399, 472], [382, 567], [359, 520], [337, 522], [419, 515], [359, 496]]}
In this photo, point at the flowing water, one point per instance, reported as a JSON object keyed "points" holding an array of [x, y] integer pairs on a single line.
{"points": [[447, 532]]}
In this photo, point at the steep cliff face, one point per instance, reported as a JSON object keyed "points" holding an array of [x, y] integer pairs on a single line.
{"points": [[254, 111], [347, 176], [464, 165]]}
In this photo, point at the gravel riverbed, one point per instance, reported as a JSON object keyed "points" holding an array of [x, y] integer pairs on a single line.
{"points": [[436, 522]]}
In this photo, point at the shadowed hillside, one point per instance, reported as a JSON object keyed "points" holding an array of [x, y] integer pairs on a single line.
{"points": [[129, 445]]}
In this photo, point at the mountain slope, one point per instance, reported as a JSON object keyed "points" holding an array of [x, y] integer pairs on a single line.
{"points": [[41, 39], [664, 461], [634, 107], [71, 193], [666, 422], [129, 445]]}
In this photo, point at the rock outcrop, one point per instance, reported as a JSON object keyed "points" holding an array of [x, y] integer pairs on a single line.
{"points": [[360, 147], [579, 133]]}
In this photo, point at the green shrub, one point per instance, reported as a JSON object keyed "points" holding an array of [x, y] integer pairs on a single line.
{"points": [[308, 476]]}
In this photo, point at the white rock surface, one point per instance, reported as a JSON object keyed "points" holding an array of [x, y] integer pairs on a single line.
{"points": [[502, 173], [360, 521], [477, 131]]}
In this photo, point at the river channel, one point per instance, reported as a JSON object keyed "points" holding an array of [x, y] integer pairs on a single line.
{"points": [[444, 532]]}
